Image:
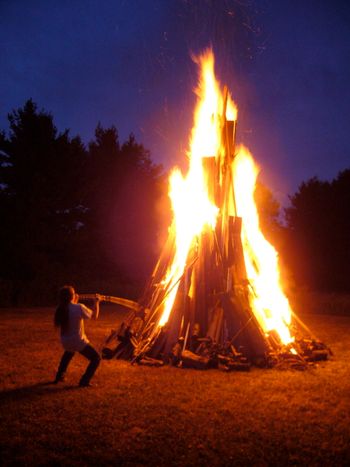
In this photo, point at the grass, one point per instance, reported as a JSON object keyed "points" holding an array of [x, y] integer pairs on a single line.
{"points": [[167, 416]]}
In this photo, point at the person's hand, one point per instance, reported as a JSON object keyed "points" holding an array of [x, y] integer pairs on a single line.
{"points": [[97, 306]]}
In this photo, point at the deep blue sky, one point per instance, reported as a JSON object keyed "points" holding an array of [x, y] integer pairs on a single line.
{"points": [[127, 63]]}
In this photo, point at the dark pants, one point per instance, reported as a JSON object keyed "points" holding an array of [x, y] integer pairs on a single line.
{"points": [[88, 352]]}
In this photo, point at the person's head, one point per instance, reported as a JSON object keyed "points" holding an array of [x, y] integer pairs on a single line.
{"points": [[66, 295]]}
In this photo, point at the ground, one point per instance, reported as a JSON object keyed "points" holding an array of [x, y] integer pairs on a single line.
{"points": [[167, 416]]}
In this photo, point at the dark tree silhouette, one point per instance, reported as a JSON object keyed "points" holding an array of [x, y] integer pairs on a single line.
{"points": [[90, 217], [124, 191], [269, 213], [318, 245], [40, 197]]}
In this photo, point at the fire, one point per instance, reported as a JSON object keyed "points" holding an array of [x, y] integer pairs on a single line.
{"points": [[195, 211], [189, 195], [268, 301]]}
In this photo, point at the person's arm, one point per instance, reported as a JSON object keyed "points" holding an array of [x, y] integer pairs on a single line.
{"points": [[90, 313], [96, 310]]}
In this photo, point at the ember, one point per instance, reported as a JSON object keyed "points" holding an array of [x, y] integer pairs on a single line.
{"points": [[215, 297]]}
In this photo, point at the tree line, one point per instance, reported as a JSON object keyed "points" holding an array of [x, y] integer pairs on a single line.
{"points": [[96, 215], [71, 213], [317, 243]]}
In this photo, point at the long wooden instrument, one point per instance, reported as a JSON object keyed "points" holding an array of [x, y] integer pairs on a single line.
{"points": [[110, 299]]}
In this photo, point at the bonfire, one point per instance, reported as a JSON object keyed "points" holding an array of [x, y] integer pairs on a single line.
{"points": [[215, 297]]}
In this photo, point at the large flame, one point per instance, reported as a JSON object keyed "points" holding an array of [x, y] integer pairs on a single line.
{"points": [[194, 211], [189, 195], [268, 301]]}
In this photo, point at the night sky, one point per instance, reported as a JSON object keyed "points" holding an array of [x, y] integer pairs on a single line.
{"points": [[128, 63]]}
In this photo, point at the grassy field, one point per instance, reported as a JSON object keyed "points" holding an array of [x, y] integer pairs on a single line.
{"points": [[167, 416]]}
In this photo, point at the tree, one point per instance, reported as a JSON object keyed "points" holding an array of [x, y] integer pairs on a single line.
{"points": [[72, 215], [41, 198], [269, 212], [318, 233], [124, 189]]}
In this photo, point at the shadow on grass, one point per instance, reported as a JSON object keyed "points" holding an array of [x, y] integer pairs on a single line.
{"points": [[33, 391]]}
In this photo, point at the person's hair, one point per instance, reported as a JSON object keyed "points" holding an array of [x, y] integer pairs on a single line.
{"points": [[65, 296]]}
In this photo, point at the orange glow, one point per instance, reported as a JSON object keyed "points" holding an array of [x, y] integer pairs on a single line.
{"points": [[194, 211], [189, 195], [267, 299]]}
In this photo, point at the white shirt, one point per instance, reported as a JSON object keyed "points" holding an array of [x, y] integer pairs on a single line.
{"points": [[74, 338]]}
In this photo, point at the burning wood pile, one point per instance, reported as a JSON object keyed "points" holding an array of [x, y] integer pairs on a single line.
{"points": [[215, 297]]}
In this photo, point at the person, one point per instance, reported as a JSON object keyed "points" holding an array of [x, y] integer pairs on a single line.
{"points": [[69, 317]]}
